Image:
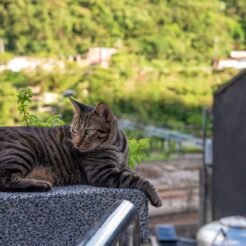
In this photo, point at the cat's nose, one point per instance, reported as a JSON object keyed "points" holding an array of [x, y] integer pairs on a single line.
{"points": [[77, 142]]}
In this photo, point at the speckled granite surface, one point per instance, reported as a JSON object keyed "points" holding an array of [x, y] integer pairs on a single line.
{"points": [[61, 216]]}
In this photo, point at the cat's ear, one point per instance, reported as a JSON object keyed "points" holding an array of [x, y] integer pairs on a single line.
{"points": [[104, 112], [79, 107]]}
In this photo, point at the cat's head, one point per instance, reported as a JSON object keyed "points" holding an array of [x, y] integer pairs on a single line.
{"points": [[92, 127]]}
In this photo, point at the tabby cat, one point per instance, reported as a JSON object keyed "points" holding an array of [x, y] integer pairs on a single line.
{"points": [[91, 151]]}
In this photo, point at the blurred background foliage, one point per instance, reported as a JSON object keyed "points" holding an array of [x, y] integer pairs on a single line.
{"points": [[162, 72]]}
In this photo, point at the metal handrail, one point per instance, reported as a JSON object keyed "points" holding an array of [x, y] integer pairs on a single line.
{"points": [[161, 132], [113, 227]]}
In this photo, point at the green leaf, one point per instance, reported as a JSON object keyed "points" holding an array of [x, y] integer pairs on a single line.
{"points": [[55, 121], [137, 151]]}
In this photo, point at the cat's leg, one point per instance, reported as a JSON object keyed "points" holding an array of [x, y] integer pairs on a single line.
{"points": [[15, 182], [122, 178]]}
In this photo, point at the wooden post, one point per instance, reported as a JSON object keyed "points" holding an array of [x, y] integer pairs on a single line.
{"points": [[1, 46]]}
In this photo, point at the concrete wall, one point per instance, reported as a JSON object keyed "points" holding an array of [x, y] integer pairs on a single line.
{"points": [[62, 216]]}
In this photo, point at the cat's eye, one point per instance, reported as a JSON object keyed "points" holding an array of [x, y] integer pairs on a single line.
{"points": [[89, 131]]}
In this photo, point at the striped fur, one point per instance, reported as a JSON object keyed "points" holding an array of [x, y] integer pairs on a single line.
{"points": [[90, 151]]}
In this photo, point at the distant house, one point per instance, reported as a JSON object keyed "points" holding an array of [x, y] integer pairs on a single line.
{"points": [[236, 60], [229, 173], [95, 56], [30, 63]]}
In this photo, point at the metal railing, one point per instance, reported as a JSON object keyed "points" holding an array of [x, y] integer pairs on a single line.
{"points": [[119, 226], [162, 133]]}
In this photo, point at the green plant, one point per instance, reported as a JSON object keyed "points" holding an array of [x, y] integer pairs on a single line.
{"points": [[24, 100], [137, 151]]}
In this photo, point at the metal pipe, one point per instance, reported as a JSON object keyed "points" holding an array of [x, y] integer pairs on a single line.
{"points": [[203, 175], [113, 225]]}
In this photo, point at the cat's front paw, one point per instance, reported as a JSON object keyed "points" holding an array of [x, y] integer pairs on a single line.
{"points": [[156, 202], [154, 197], [41, 185]]}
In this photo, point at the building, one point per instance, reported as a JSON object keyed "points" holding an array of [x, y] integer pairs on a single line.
{"points": [[20, 63], [236, 60], [95, 56], [229, 172], [100, 56]]}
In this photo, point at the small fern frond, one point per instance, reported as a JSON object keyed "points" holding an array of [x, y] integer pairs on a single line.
{"points": [[137, 151]]}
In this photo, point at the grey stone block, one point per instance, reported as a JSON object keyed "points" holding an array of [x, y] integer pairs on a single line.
{"points": [[63, 215]]}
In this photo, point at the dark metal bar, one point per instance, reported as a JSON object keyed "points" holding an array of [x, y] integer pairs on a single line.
{"points": [[113, 226], [203, 176]]}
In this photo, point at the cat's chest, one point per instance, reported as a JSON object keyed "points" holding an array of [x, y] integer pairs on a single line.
{"points": [[104, 155]]}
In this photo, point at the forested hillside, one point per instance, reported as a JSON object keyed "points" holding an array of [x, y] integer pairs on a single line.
{"points": [[162, 71]]}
